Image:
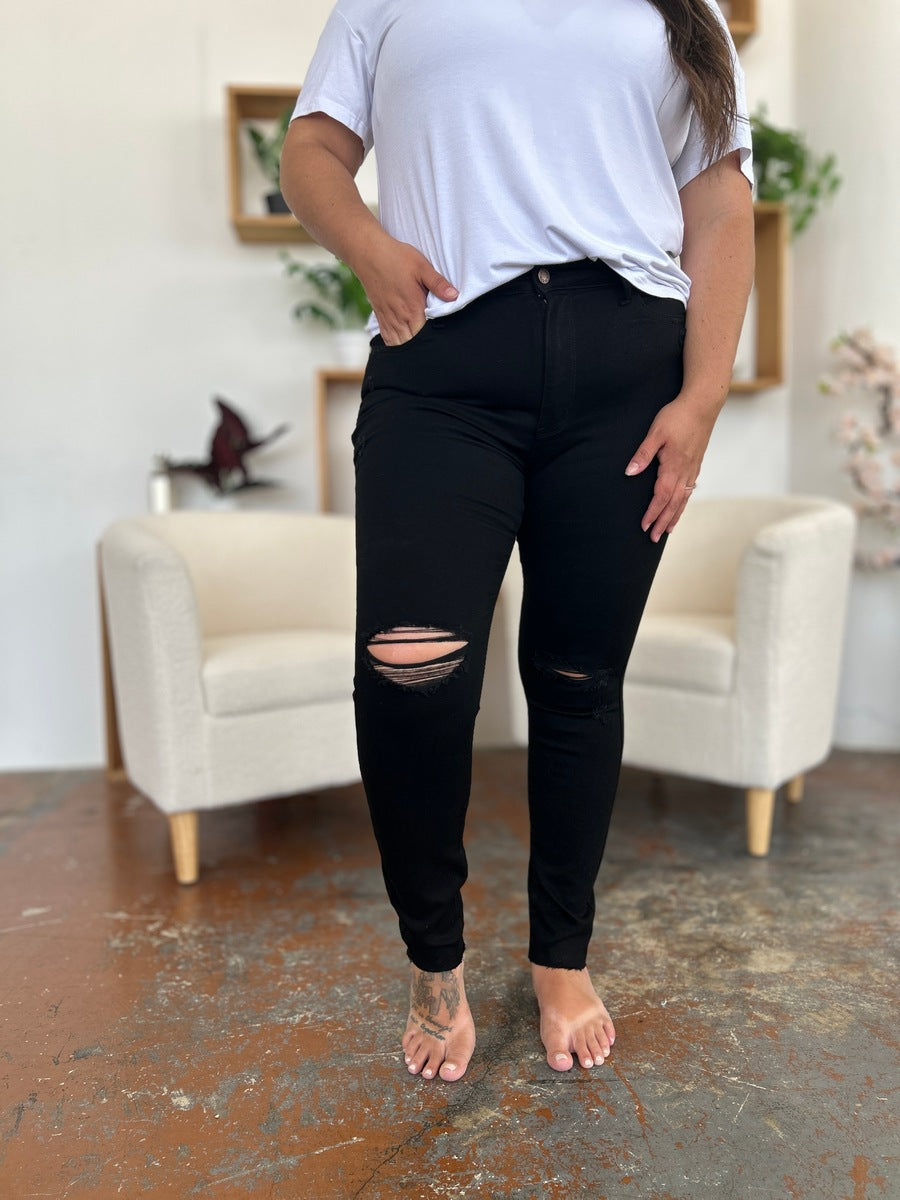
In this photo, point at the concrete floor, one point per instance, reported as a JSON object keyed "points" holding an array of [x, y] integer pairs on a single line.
{"points": [[241, 1037]]}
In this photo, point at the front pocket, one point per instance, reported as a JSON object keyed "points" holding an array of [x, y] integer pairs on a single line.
{"points": [[379, 346]]}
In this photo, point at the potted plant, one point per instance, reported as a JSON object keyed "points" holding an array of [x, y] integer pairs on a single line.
{"points": [[268, 155], [786, 170], [338, 301]]}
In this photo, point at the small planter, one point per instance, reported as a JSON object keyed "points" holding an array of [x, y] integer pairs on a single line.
{"points": [[276, 203]]}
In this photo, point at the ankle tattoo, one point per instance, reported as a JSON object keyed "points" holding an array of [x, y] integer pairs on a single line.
{"points": [[428, 998]]}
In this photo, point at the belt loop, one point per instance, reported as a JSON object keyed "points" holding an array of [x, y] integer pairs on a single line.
{"points": [[626, 288]]}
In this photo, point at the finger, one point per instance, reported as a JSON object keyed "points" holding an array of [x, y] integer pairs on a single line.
{"points": [[668, 512], [399, 331], [662, 493], [437, 284], [643, 456]]}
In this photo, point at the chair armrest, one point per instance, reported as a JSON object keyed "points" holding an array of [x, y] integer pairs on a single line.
{"points": [[792, 593], [156, 657]]}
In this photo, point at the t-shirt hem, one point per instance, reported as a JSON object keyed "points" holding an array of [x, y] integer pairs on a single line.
{"points": [[682, 179], [332, 108]]}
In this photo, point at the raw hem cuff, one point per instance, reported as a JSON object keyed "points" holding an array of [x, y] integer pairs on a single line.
{"points": [[443, 958]]}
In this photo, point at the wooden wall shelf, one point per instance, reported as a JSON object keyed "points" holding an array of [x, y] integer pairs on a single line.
{"points": [[741, 16], [772, 231], [336, 407], [256, 102]]}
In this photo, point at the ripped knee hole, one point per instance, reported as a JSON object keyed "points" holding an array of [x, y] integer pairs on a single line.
{"points": [[405, 654]]}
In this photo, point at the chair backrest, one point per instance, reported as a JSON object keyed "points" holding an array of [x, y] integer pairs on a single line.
{"points": [[258, 570], [698, 572]]}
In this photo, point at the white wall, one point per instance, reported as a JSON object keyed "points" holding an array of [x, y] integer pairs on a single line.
{"points": [[128, 303], [846, 270]]}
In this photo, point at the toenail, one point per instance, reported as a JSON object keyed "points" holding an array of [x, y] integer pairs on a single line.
{"points": [[427, 1074], [588, 1062], [451, 1066], [561, 1057]]}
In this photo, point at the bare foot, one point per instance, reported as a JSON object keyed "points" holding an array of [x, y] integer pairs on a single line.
{"points": [[440, 1033], [574, 1020]]}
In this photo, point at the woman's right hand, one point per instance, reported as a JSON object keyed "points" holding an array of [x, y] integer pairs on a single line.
{"points": [[397, 278]]}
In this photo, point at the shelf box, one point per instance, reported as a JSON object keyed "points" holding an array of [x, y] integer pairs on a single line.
{"points": [[740, 31], [771, 226], [336, 408], [741, 17], [259, 102]]}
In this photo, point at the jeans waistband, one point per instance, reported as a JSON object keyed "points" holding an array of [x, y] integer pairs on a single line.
{"points": [[547, 277]]}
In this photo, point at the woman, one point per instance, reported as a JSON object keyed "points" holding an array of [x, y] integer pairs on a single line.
{"points": [[543, 370]]}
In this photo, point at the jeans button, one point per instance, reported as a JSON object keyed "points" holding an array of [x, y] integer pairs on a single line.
{"points": [[543, 275]]}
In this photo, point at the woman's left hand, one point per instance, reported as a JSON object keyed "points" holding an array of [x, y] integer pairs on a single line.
{"points": [[679, 435]]}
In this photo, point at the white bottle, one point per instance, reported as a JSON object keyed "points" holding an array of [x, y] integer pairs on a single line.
{"points": [[159, 488]]}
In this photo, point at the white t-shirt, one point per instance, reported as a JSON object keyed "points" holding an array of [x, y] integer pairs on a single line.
{"points": [[511, 133]]}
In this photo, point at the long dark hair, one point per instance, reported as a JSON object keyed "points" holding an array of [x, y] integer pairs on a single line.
{"points": [[700, 50]]}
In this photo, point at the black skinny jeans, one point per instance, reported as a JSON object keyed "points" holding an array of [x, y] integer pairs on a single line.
{"points": [[512, 418]]}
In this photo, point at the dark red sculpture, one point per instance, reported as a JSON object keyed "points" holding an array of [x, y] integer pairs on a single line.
{"points": [[231, 441]]}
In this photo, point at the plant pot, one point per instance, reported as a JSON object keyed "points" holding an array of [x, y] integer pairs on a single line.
{"points": [[276, 203], [193, 493], [351, 347], [159, 492]]}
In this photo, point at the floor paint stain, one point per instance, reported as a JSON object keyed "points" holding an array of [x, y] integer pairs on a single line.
{"points": [[861, 1178], [88, 1052]]}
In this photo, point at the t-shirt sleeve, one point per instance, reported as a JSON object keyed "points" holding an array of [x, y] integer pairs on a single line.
{"points": [[692, 160], [339, 81]]}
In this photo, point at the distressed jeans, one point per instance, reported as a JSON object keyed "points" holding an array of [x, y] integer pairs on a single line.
{"points": [[511, 419]]}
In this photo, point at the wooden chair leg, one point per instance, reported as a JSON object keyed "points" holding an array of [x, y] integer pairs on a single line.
{"points": [[115, 766], [760, 810], [795, 789], [185, 851]]}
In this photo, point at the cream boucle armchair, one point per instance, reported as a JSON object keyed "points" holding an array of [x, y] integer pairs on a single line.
{"points": [[230, 659], [734, 672]]}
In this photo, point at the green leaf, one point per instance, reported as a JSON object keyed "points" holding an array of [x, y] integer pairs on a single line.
{"points": [[317, 313], [786, 170], [337, 287]]}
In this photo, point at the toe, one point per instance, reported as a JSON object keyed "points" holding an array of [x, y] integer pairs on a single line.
{"points": [[599, 1040], [417, 1060], [432, 1064], [581, 1050], [412, 1047], [595, 1049], [456, 1063], [559, 1058]]}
